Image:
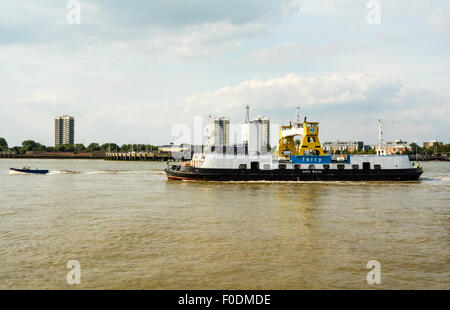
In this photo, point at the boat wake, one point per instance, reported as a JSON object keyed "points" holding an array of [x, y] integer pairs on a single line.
{"points": [[344, 183], [17, 172], [56, 172], [340, 183], [157, 172], [435, 178]]}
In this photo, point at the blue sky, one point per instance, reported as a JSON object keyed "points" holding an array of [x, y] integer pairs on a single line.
{"points": [[132, 69]]}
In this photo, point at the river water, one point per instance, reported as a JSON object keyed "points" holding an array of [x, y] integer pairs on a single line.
{"points": [[130, 228]]}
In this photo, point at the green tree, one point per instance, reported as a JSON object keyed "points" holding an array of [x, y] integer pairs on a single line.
{"points": [[16, 149], [443, 149], [152, 148], [125, 148], [3, 144], [79, 147], [93, 147], [60, 148], [68, 148], [415, 149], [109, 147], [30, 145]]}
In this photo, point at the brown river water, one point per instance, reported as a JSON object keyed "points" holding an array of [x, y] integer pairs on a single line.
{"points": [[130, 228]]}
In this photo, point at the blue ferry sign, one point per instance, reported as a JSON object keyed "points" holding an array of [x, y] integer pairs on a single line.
{"points": [[310, 159]]}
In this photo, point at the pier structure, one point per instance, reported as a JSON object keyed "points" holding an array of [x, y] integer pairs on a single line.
{"points": [[7, 154], [138, 156]]}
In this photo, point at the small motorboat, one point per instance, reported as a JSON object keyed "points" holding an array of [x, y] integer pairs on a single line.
{"points": [[28, 170]]}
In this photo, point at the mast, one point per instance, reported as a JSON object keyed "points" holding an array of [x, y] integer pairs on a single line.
{"points": [[415, 146], [209, 130], [380, 136], [297, 113], [247, 114]]}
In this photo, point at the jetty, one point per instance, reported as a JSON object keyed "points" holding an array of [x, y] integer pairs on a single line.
{"points": [[7, 154], [138, 156]]}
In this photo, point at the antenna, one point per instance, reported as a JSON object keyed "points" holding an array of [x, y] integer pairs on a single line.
{"points": [[380, 136], [247, 114], [297, 113], [209, 130]]}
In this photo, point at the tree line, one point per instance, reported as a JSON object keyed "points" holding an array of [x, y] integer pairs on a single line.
{"points": [[437, 149], [30, 145], [415, 149]]}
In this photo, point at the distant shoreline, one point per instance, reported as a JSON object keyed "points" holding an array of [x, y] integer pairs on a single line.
{"points": [[52, 157], [103, 158]]}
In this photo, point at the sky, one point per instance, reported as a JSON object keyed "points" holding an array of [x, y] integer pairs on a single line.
{"points": [[129, 71]]}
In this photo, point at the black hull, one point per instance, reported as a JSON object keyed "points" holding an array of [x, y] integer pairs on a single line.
{"points": [[188, 173], [29, 171]]}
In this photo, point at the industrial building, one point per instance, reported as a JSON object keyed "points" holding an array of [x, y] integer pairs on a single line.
{"points": [[219, 131], [350, 146], [256, 133]]}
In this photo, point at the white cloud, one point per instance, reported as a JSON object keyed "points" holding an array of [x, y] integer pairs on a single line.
{"points": [[323, 8], [45, 97], [291, 52], [293, 90], [347, 105], [198, 42], [439, 19]]}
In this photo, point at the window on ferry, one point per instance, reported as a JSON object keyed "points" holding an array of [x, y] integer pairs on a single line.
{"points": [[242, 166], [254, 165], [366, 166], [377, 167], [312, 167], [282, 166], [355, 167], [340, 166], [297, 166], [326, 167]]}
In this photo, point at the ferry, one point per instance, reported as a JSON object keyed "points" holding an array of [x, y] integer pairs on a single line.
{"points": [[305, 161]]}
